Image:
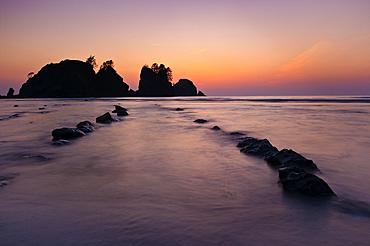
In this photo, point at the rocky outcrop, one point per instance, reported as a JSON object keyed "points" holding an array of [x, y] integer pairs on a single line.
{"points": [[185, 88], [258, 147], [110, 84], [86, 126], [154, 83], [10, 93], [290, 158], [297, 180], [72, 78]]}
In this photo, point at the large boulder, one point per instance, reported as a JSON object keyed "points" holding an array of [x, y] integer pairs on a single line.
{"points": [[105, 118], [185, 88], [297, 180], [290, 158], [66, 133]]}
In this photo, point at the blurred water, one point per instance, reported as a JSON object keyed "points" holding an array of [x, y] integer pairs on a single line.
{"points": [[157, 178]]}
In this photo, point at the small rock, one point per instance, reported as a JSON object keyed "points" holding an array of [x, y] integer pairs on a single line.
{"points": [[179, 109], [86, 126], [236, 133], [120, 110], [105, 118], [41, 108], [66, 133], [200, 121], [258, 147], [216, 128], [15, 106]]}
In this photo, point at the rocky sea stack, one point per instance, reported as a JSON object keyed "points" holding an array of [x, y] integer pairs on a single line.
{"points": [[74, 79]]}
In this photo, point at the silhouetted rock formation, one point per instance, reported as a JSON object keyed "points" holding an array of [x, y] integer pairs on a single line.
{"points": [[72, 78], [10, 92], [297, 180], [185, 88], [120, 111], [154, 83], [110, 84]]}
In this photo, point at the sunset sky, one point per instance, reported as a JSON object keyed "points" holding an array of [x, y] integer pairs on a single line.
{"points": [[235, 47]]}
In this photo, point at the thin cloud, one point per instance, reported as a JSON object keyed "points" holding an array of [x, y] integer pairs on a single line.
{"points": [[197, 52], [296, 67]]}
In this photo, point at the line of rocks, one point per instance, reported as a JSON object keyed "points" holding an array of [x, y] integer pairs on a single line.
{"points": [[62, 135], [293, 168]]}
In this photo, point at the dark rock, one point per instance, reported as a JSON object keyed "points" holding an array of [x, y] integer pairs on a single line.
{"points": [[201, 94], [200, 121], [66, 133], [297, 180], [289, 158], [155, 82], [110, 84], [258, 147], [86, 126], [10, 93], [120, 111], [179, 109], [41, 108], [61, 142], [236, 133], [105, 118], [216, 128], [72, 78], [15, 105], [185, 88]]}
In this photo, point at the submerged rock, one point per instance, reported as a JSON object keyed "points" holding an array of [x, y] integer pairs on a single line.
{"points": [[289, 158], [66, 133], [297, 180], [179, 109], [200, 121], [105, 118], [216, 128], [236, 133], [86, 126], [61, 142]]}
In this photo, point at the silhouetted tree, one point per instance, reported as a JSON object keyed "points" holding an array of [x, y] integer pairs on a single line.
{"points": [[161, 69], [30, 75], [107, 64], [92, 61]]}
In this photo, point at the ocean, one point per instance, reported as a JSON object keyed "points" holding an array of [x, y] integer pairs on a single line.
{"points": [[156, 177]]}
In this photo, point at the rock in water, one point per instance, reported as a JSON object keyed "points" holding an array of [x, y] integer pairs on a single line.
{"points": [[216, 128], [297, 180], [289, 158], [185, 87], [10, 92], [120, 110], [86, 126], [200, 121], [105, 118], [66, 133], [258, 147]]}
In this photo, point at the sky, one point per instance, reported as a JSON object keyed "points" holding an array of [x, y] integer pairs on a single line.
{"points": [[234, 47]]}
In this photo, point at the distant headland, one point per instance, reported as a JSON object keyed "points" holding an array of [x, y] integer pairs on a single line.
{"points": [[74, 79]]}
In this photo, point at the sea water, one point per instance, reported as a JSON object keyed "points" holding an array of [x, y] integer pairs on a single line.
{"points": [[155, 177]]}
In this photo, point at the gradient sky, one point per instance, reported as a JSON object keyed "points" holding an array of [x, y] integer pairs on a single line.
{"points": [[240, 47]]}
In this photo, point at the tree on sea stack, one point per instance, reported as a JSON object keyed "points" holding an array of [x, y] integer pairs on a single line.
{"points": [[92, 61], [107, 64]]}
